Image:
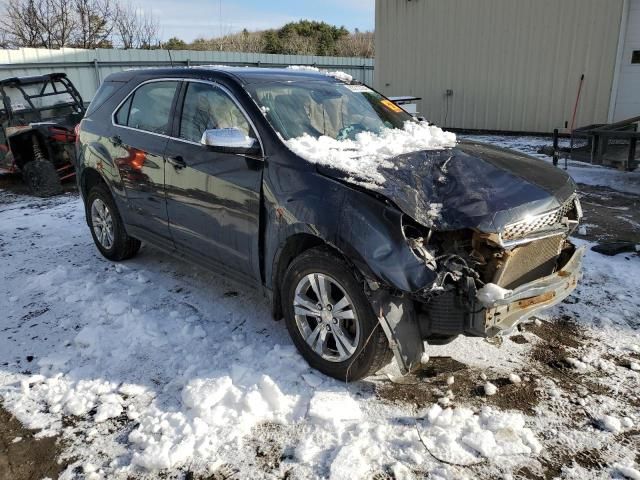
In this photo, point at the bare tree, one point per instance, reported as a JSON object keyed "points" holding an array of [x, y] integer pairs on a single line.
{"points": [[37, 23], [77, 23], [136, 29], [19, 23], [95, 23], [149, 31], [127, 25], [357, 44]]}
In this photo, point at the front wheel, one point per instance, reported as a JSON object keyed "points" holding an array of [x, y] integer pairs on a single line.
{"points": [[330, 319], [107, 228]]}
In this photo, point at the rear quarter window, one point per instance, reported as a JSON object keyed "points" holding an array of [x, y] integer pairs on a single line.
{"points": [[104, 93]]}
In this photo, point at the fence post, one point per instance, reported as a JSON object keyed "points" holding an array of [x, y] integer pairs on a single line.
{"points": [[96, 69], [631, 159], [555, 147]]}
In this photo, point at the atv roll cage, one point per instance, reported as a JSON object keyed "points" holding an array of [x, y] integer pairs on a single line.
{"points": [[50, 86]]}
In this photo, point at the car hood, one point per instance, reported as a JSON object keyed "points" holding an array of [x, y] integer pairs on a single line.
{"points": [[473, 185]]}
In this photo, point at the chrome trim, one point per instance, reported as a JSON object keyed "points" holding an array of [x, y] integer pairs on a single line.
{"points": [[561, 228], [178, 80]]}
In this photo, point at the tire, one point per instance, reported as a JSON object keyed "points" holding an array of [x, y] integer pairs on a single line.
{"points": [[363, 349], [40, 175], [103, 216]]}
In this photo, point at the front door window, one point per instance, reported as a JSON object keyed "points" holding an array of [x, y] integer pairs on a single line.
{"points": [[207, 107]]}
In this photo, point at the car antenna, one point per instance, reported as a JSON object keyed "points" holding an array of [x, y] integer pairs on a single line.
{"points": [[170, 58]]}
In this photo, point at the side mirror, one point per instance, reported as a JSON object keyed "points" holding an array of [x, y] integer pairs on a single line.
{"points": [[230, 140]]}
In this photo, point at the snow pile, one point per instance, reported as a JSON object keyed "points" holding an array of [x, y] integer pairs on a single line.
{"points": [[217, 413], [490, 389], [513, 378], [491, 293], [333, 409], [626, 471], [459, 435], [341, 76], [364, 156], [613, 424]]}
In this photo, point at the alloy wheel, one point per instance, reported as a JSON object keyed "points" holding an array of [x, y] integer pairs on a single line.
{"points": [[326, 318], [102, 223]]}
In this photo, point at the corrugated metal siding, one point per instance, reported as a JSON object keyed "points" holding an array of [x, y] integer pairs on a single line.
{"points": [[513, 65], [87, 68]]}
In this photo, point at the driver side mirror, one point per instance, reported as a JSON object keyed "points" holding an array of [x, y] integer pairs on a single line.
{"points": [[230, 140]]}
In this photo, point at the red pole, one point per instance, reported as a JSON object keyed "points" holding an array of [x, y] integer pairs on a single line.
{"points": [[575, 108]]}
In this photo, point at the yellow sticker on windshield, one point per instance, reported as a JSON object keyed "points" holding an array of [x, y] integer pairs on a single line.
{"points": [[391, 106]]}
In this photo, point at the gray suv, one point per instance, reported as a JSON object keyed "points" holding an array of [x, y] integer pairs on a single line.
{"points": [[197, 162]]}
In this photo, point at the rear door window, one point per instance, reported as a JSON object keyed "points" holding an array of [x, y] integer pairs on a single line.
{"points": [[150, 107]]}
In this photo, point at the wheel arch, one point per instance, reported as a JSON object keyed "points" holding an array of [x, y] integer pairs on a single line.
{"points": [[294, 246], [89, 179]]}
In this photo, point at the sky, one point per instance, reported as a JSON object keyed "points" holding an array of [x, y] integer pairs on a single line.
{"points": [[190, 19]]}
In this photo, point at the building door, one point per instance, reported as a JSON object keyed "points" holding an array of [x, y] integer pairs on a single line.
{"points": [[628, 99]]}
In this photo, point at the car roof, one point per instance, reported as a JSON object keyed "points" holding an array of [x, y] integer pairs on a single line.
{"points": [[244, 75], [8, 82]]}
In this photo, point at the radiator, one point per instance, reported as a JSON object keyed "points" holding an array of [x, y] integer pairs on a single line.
{"points": [[529, 262]]}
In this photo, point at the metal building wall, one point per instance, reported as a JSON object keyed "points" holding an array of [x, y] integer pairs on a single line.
{"points": [[87, 68], [513, 65]]}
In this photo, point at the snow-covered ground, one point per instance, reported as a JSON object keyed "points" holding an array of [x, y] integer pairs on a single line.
{"points": [[153, 367]]}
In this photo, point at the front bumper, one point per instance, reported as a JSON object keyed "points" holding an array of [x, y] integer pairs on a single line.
{"points": [[406, 328], [523, 302]]}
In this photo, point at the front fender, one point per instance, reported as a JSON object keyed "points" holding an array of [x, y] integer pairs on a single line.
{"points": [[370, 233]]}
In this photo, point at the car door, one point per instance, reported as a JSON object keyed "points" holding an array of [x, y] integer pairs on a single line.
{"points": [[213, 198], [142, 124]]}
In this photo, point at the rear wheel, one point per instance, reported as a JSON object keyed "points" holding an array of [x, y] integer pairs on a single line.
{"points": [[330, 319], [107, 228], [40, 174]]}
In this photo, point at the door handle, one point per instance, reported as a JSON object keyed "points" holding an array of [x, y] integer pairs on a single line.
{"points": [[177, 162]]}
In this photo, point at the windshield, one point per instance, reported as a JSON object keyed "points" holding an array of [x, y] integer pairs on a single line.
{"points": [[317, 108]]}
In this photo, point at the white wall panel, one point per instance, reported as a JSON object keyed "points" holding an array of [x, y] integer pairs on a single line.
{"points": [[512, 64]]}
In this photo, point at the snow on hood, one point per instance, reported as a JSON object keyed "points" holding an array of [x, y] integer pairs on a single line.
{"points": [[365, 156]]}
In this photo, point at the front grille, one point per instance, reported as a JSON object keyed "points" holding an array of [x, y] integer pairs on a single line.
{"points": [[546, 221], [529, 262]]}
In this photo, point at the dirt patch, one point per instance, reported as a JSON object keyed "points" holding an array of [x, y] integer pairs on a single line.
{"points": [[552, 466], [441, 366], [562, 331], [30, 458], [519, 339], [430, 385], [424, 387], [523, 396], [270, 442]]}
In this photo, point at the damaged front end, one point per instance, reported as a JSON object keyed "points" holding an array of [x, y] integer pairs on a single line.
{"points": [[485, 283]]}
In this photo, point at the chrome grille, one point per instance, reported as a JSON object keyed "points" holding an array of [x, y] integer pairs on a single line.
{"points": [[546, 221]]}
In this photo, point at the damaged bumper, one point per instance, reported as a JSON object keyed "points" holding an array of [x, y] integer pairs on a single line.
{"points": [[504, 314], [406, 328]]}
